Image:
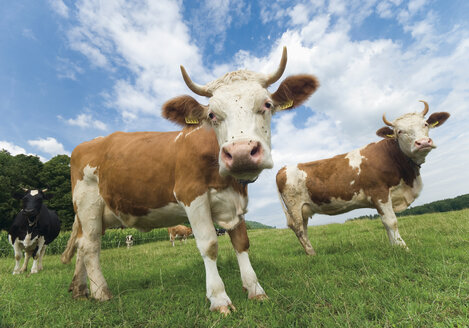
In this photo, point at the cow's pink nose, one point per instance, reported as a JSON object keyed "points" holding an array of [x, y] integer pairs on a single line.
{"points": [[424, 142], [242, 155]]}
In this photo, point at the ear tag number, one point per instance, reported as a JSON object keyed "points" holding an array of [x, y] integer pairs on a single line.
{"points": [[286, 105], [190, 120]]}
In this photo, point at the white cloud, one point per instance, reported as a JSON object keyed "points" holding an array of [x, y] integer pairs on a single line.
{"points": [[59, 7], [49, 146], [149, 39], [86, 121], [12, 148]]}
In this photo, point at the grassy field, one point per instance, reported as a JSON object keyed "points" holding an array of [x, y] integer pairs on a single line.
{"points": [[356, 280]]}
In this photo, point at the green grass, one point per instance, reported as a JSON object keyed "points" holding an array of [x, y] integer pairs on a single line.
{"points": [[356, 280]]}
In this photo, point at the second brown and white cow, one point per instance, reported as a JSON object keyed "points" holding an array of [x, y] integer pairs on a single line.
{"points": [[179, 232], [151, 180], [384, 175]]}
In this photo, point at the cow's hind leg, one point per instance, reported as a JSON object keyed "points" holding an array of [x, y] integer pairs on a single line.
{"points": [[90, 207], [240, 242], [388, 217], [199, 215], [41, 256], [37, 254], [78, 286], [27, 256], [297, 219]]}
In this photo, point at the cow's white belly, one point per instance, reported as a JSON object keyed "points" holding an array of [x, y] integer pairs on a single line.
{"points": [[403, 195], [338, 205], [166, 216], [228, 208]]}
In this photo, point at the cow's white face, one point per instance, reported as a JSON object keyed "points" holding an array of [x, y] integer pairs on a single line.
{"points": [[411, 132], [240, 110], [240, 114]]}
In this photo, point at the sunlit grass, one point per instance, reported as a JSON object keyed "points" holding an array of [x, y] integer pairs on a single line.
{"points": [[356, 280]]}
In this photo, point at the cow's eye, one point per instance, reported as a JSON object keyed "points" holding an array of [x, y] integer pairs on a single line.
{"points": [[268, 105], [426, 124], [212, 116], [399, 131]]}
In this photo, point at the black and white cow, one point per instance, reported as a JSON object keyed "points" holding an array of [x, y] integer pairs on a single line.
{"points": [[129, 240], [34, 227]]}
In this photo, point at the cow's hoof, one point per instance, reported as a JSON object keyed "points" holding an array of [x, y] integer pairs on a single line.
{"points": [[225, 309], [34, 271], [16, 272], [260, 297], [102, 295], [78, 292], [310, 252]]}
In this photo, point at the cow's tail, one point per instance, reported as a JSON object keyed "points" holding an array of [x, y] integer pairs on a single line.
{"points": [[72, 242], [284, 205]]}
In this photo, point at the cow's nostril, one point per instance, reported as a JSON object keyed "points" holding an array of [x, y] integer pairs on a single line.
{"points": [[227, 154], [254, 151]]}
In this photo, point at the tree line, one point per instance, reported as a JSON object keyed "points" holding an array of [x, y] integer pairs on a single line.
{"points": [[27, 171], [445, 205]]}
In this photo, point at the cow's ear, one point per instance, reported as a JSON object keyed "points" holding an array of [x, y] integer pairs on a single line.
{"points": [[184, 110], [386, 132], [294, 91], [437, 119], [18, 194]]}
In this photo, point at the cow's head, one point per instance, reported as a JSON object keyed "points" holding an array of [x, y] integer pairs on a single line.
{"points": [[239, 110], [411, 132], [32, 202]]}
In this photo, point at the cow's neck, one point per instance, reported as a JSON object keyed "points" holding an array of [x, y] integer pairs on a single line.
{"points": [[407, 167]]}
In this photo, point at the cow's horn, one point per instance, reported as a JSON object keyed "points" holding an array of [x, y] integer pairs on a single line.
{"points": [[272, 78], [425, 110], [386, 121], [196, 88]]}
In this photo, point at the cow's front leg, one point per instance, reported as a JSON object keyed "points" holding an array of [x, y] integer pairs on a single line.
{"points": [[37, 255], [27, 256], [240, 241], [200, 218], [388, 217], [18, 256]]}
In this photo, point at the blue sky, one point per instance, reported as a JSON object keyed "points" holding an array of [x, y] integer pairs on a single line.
{"points": [[74, 70]]}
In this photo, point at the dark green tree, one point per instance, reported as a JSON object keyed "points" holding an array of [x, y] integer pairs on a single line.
{"points": [[55, 176]]}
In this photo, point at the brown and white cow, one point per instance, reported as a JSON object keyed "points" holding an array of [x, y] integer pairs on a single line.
{"points": [[149, 180], [179, 232], [384, 175]]}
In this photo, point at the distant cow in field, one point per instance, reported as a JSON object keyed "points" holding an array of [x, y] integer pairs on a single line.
{"points": [[220, 231], [129, 240], [152, 180], [384, 175], [33, 228], [179, 232]]}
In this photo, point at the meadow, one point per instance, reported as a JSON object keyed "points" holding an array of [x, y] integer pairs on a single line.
{"points": [[356, 280]]}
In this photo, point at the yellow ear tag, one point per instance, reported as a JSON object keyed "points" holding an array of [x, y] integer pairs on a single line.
{"points": [[435, 124], [390, 135], [286, 105], [191, 120]]}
